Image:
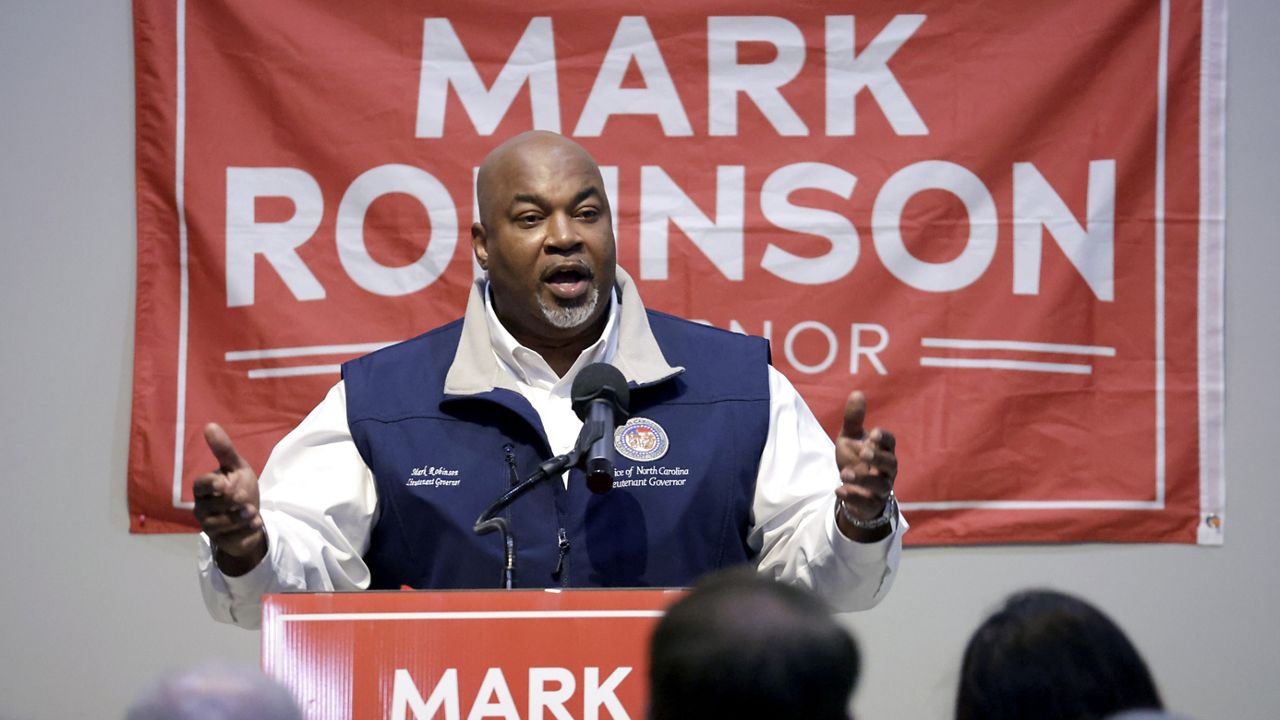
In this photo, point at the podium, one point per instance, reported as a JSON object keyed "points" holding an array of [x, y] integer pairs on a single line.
{"points": [[463, 655]]}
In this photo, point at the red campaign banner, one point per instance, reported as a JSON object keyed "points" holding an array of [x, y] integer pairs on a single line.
{"points": [[1001, 220]]}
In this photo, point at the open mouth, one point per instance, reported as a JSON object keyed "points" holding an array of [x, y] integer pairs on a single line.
{"points": [[568, 282]]}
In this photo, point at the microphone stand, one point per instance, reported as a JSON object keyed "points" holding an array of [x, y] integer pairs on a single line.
{"points": [[490, 521]]}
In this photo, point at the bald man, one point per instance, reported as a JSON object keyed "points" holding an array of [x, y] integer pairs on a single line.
{"points": [[216, 692], [721, 464]]}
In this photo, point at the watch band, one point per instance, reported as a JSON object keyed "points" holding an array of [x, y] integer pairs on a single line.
{"points": [[875, 523]]}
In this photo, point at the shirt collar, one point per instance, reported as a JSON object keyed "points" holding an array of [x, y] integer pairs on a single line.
{"points": [[527, 366]]}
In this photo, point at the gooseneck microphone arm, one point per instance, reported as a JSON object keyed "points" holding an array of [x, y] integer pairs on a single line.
{"points": [[600, 397], [490, 521]]}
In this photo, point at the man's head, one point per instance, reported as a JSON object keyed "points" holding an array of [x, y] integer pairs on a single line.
{"points": [[216, 692], [743, 646], [545, 237]]}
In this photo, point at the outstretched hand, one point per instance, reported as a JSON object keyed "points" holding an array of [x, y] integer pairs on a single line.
{"points": [[868, 467], [227, 507]]}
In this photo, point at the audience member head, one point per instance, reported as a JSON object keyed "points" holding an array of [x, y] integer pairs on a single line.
{"points": [[1051, 656], [742, 646], [216, 692], [1146, 715]]}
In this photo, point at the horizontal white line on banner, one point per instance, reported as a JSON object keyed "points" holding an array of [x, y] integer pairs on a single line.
{"points": [[274, 353], [1035, 505], [968, 344], [997, 364], [295, 371], [495, 615]]}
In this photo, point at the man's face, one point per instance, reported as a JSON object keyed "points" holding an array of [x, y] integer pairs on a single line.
{"points": [[546, 240]]}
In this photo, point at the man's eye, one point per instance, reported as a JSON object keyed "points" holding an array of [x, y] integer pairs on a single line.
{"points": [[588, 213], [528, 219]]}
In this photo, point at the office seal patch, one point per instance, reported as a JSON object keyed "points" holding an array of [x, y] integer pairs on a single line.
{"points": [[641, 439]]}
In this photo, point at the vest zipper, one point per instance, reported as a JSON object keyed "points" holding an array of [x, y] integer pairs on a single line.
{"points": [[562, 539], [513, 475]]}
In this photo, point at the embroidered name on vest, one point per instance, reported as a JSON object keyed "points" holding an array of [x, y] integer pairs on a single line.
{"points": [[432, 476]]}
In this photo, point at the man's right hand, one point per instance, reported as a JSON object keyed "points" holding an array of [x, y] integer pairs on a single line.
{"points": [[227, 507]]}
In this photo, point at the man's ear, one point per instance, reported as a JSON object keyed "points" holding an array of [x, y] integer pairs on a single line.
{"points": [[479, 245]]}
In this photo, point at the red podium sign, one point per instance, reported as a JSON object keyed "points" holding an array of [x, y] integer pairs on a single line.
{"points": [[527, 655]]}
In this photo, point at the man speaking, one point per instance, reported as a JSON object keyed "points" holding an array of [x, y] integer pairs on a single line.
{"points": [[721, 463]]}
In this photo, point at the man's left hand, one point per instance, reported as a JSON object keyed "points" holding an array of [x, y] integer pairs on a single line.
{"points": [[868, 467]]}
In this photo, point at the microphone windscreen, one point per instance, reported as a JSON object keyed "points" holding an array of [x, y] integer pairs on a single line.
{"points": [[600, 381]]}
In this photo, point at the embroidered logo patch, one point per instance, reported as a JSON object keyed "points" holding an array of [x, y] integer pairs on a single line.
{"points": [[641, 439]]}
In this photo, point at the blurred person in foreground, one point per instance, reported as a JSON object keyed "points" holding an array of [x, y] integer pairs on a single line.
{"points": [[743, 646], [216, 692], [1051, 656]]}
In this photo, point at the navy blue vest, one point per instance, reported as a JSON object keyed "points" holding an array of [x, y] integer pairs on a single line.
{"points": [[438, 461]]}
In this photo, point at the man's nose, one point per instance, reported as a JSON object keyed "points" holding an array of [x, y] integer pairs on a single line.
{"points": [[562, 233]]}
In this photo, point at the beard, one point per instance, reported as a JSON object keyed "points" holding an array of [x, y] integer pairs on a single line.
{"points": [[567, 317]]}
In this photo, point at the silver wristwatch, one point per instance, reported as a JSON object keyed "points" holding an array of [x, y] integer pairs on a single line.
{"points": [[875, 523]]}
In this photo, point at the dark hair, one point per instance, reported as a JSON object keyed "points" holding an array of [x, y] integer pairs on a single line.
{"points": [[742, 646], [1051, 656]]}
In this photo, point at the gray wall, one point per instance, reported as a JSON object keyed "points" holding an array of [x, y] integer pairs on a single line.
{"points": [[89, 614]]}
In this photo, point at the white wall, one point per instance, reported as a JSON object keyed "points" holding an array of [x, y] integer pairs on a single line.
{"points": [[89, 614]]}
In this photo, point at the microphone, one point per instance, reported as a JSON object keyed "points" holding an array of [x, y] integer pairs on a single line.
{"points": [[602, 399]]}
